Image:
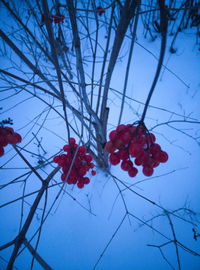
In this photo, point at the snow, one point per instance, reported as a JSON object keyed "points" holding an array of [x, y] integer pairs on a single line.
{"points": [[118, 219]]}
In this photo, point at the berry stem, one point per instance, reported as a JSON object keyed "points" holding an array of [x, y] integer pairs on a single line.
{"points": [[163, 25]]}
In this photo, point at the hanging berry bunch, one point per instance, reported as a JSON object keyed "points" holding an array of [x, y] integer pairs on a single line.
{"points": [[57, 18], [134, 145], [82, 163], [100, 11], [8, 136]]}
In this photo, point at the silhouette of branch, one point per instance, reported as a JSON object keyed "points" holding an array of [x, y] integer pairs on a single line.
{"points": [[21, 236], [39, 259], [163, 25]]}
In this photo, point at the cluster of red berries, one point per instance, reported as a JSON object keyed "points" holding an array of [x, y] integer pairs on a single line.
{"points": [[135, 141], [77, 162], [8, 136], [100, 11], [57, 18]]}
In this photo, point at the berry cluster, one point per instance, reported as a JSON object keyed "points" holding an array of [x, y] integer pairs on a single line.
{"points": [[57, 18], [8, 136], [135, 141], [82, 163], [100, 11]]}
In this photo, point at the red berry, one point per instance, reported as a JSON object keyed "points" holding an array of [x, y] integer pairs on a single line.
{"points": [[65, 168], [81, 156], [100, 11], [163, 157], [77, 163], [3, 131], [9, 129], [88, 158], [93, 172], [63, 176], [114, 159], [126, 137], [73, 173], [56, 159], [91, 165], [156, 156], [1, 151], [132, 172], [3, 140], [87, 167], [80, 185], [155, 164], [146, 160], [126, 165], [155, 148], [17, 137], [66, 148], [82, 150], [135, 149], [110, 148], [123, 154], [113, 135], [147, 171], [119, 144], [11, 139], [74, 180], [132, 129], [61, 162], [141, 131], [152, 137], [82, 171], [72, 141], [86, 180], [58, 18], [141, 140], [68, 159], [138, 161], [71, 180], [120, 128]]}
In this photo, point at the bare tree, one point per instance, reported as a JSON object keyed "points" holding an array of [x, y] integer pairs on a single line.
{"points": [[61, 57]]}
